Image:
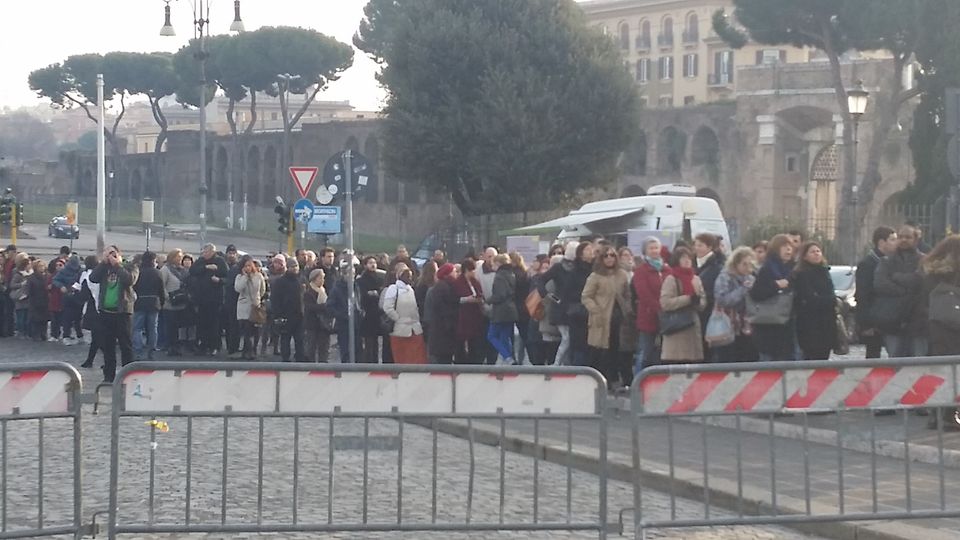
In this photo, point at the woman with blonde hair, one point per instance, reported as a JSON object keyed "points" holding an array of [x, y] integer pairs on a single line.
{"points": [[730, 291]]}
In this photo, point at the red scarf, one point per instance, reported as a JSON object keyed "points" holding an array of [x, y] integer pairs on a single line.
{"points": [[685, 277]]}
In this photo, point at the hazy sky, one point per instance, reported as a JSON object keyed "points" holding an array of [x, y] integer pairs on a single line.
{"points": [[36, 33]]}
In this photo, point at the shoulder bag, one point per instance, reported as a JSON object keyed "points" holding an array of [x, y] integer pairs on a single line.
{"points": [[534, 305], [672, 322], [775, 310]]}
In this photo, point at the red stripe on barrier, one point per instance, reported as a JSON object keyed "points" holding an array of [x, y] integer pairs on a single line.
{"points": [[922, 390], [322, 374], [200, 372], [139, 372], [760, 383], [27, 375], [869, 387], [699, 390], [650, 384], [817, 383]]}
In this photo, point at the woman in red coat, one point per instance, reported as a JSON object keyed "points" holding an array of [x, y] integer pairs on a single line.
{"points": [[470, 320], [648, 279]]}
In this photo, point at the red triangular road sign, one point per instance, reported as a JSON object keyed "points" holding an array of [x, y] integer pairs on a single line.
{"points": [[303, 178]]}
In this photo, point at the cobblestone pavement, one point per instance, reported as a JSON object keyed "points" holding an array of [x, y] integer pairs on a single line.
{"points": [[346, 503]]}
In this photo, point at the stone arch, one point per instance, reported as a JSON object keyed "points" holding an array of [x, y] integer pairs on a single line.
{"points": [[270, 157], [671, 151], [705, 151], [623, 31], [136, 185], [636, 157], [371, 149], [254, 183], [220, 187], [633, 190], [645, 31], [822, 202], [666, 27], [691, 27]]}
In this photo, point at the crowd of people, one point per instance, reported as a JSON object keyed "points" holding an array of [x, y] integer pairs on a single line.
{"points": [[585, 303]]}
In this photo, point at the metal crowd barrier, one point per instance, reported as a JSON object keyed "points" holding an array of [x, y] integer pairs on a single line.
{"points": [[690, 400], [336, 448], [34, 395]]}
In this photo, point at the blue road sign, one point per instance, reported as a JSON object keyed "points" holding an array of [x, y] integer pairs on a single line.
{"points": [[303, 211], [326, 220]]}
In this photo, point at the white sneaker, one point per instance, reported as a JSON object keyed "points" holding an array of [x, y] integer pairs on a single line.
{"points": [[69, 341], [52, 339]]}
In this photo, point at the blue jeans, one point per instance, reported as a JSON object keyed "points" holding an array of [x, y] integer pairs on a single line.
{"points": [[22, 323], [144, 321], [500, 335], [647, 353]]}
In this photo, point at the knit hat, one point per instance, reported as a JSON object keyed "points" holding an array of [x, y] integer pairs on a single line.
{"points": [[279, 258], [315, 273], [445, 271], [570, 252], [291, 262]]}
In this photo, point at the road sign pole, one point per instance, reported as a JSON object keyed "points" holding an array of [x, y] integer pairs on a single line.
{"points": [[352, 327], [290, 233]]}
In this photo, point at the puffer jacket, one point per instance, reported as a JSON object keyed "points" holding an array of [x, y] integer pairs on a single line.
{"points": [[400, 304], [503, 300], [17, 282]]}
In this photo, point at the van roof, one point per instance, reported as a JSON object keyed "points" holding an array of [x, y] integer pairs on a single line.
{"points": [[706, 207]]}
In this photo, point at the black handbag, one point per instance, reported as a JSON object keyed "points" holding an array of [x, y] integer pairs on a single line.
{"points": [[179, 297], [945, 305], [672, 322]]}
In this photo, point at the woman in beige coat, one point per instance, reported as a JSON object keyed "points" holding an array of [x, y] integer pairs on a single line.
{"points": [[610, 329], [682, 290]]}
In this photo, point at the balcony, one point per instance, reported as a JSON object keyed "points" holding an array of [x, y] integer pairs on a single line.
{"points": [[665, 41], [720, 80], [643, 43], [691, 37]]}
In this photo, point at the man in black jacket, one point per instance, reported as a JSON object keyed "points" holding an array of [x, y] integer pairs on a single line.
{"points": [[884, 243], [286, 300], [898, 305], [230, 298], [209, 274]]}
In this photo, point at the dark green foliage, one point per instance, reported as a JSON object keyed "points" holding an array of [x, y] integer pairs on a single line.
{"points": [[509, 105]]}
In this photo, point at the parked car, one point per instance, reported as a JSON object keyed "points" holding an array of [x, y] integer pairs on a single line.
{"points": [[845, 287], [60, 228]]}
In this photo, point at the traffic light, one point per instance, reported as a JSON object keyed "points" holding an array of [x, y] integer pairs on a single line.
{"points": [[7, 202], [19, 214], [283, 218]]}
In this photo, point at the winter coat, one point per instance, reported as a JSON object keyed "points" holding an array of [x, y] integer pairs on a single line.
{"points": [[206, 291], [772, 339], [686, 345], [443, 304], [708, 273], [69, 274], [54, 296], [486, 275], [606, 290], [38, 303], [400, 304], [315, 312], [230, 296], [250, 289], [124, 276], [369, 285], [569, 277], [470, 319], [521, 291], [18, 281], [149, 290], [420, 291], [173, 278], [647, 284], [89, 295], [942, 339], [865, 294], [287, 298], [503, 300], [898, 277], [815, 305], [547, 330], [730, 294]]}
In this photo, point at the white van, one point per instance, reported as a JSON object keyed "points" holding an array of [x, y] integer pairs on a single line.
{"points": [[673, 209]]}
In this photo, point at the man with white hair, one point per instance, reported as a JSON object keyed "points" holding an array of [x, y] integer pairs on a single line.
{"points": [[209, 273]]}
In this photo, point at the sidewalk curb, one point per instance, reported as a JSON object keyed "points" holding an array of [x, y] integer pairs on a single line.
{"points": [[919, 453], [688, 484]]}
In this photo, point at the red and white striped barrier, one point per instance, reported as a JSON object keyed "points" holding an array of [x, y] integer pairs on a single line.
{"points": [[798, 388], [334, 390], [38, 391]]}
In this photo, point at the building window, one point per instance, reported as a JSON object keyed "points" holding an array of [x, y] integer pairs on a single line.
{"points": [[666, 68], [691, 34], [791, 163], [689, 100], [665, 101], [691, 65], [665, 39], [643, 40], [722, 68], [643, 70], [625, 36], [771, 56]]}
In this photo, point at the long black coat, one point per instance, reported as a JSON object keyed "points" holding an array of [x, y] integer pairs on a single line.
{"points": [[773, 339], [286, 298], [814, 303], [205, 290], [708, 274], [38, 308], [444, 307], [369, 285]]}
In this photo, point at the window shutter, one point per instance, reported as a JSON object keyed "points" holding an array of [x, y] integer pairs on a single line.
{"points": [[696, 64]]}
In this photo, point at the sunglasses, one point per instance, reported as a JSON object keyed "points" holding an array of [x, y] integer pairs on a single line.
{"points": [[610, 256]]}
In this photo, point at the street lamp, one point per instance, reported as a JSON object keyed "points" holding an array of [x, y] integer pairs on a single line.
{"points": [[856, 105], [201, 30]]}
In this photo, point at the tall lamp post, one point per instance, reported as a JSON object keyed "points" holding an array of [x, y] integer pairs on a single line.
{"points": [[856, 105], [201, 30], [283, 87]]}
